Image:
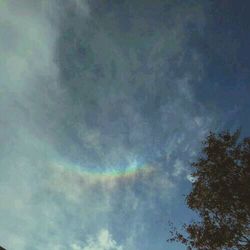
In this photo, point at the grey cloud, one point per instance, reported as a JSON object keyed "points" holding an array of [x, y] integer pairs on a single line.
{"points": [[77, 88]]}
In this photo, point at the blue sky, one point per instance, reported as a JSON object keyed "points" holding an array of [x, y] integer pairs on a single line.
{"points": [[103, 106]]}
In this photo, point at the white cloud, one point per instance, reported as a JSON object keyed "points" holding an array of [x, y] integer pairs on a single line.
{"points": [[179, 168], [103, 241], [47, 206], [191, 178]]}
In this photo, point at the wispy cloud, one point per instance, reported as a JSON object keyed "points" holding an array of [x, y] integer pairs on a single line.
{"points": [[76, 89], [103, 241]]}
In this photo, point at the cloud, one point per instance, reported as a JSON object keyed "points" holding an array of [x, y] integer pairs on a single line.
{"points": [[28, 79], [103, 241], [76, 89]]}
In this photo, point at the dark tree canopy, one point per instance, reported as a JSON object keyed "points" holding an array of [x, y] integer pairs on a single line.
{"points": [[220, 195]]}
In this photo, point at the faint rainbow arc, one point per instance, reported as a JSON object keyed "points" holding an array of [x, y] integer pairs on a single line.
{"points": [[134, 169]]}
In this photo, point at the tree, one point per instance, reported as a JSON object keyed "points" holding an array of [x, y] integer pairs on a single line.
{"points": [[220, 195]]}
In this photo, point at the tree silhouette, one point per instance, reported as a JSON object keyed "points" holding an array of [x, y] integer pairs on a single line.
{"points": [[220, 195]]}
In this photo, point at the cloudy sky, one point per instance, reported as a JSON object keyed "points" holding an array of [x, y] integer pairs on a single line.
{"points": [[103, 105]]}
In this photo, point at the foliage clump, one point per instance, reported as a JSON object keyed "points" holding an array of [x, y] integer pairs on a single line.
{"points": [[220, 195]]}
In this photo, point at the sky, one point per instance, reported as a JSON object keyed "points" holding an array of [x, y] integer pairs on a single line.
{"points": [[103, 106]]}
